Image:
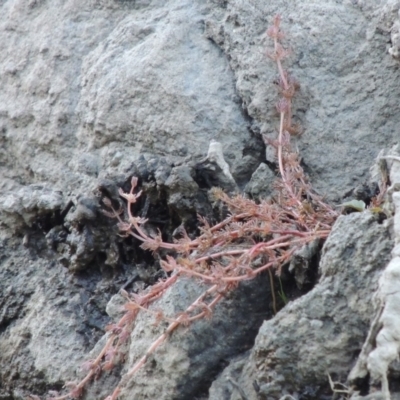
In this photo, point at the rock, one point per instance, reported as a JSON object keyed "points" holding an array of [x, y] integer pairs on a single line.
{"points": [[187, 363], [89, 94], [93, 93], [49, 320], [333, 59], [214, 170], [226, 383], [323, 331], [261, 183], [31, 204], [379, 355]]}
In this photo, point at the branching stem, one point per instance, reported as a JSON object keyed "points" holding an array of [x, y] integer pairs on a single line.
{"points": [[267, 233]]}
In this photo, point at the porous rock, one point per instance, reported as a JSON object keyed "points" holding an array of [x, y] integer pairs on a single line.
{"points": [[377, 364], [322, 332], [185, 365], [49, 319], [85, 94], [227, 381], [28, 205], [102, 90], [344, 115], [260, 185]]}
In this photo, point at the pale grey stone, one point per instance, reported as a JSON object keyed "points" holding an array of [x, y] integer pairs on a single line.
{"points": [[99, 90]]}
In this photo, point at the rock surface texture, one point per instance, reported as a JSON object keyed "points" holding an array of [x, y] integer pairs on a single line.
{"points": [[93, 92], [319, 333]]}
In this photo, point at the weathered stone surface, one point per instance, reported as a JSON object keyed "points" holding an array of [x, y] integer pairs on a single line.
{"points": [[260, 185], [323, 331], [184, 367], [100, 82], [21, 209], [339, 56], [226, 383], [93, 92], [49, 319], [377, 364]]}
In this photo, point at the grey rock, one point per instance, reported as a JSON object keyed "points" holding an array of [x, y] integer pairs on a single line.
{"points": [[98, 91], [88, 94], [342, 109], [186, 364], [379, 355], [323, 331], [226, 383], [183, 194], [49, 320], [22, 208], [261, 183]]}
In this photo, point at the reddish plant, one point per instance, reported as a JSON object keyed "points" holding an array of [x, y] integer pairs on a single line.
{"points": [[256, 237]]}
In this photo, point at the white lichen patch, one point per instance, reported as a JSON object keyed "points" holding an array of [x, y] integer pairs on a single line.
{"points": [[382, 346], [216, 154]]}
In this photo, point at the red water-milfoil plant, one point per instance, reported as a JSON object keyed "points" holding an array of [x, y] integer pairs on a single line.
{"points": [[254, 238]]}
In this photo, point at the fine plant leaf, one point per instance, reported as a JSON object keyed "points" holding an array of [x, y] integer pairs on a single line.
{"points": [[282, 293]]}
